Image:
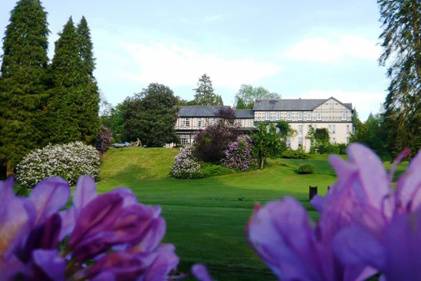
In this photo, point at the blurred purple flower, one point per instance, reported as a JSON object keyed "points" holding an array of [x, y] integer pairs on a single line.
{"points": [[101, 237], [361, 221], [293, 248]]}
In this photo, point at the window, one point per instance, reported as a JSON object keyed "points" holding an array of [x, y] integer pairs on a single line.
{"points": [[199, 123], [186, 122], [289, 116], [272, 116], [184, 140], [344, 115]]}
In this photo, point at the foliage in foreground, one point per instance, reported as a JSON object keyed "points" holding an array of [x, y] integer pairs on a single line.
{"points": [[100, 237], [69, 161]]}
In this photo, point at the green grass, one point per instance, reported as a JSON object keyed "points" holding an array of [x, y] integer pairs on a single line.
{"points": [[206, 218]]}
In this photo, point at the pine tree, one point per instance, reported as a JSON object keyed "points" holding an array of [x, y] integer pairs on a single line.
{"points": [[89, 117], [205, 94], [401, 41], [67, 94], [23, 81]]}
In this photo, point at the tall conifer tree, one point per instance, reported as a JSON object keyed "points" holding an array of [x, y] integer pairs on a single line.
{"points": [[88, 118], [65, 104], [23, 81]]}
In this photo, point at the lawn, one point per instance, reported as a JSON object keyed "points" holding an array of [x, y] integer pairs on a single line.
{"points": [[206, 217]]}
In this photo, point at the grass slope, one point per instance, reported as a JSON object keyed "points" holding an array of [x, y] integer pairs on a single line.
{"points": [[206, 218]]}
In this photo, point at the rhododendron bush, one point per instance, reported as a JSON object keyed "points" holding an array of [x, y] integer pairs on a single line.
{"points": [[69, 161], [368, 226], [238, 155], [186, 165]]}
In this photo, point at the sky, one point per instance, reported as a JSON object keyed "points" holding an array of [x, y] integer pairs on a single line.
{"points": [[298, 49]]}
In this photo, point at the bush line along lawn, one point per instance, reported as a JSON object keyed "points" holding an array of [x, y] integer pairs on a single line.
{"points": [[206, 218]]}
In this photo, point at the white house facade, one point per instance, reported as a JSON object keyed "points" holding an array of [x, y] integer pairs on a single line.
{"points": [[301, 114]]}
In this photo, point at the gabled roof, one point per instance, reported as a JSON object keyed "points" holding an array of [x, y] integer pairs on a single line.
{"points": [[293, 104], [211, 111]]}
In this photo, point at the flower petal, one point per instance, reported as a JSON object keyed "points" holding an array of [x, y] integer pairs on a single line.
{"points": [[48, 197], [84, 193], [356, 246], [281, 234], [15, 219], [409, 185], [201, 272], [375, 185], [51, 264]]}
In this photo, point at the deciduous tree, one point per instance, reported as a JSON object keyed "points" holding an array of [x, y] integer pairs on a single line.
{"points": [[248, 94]]}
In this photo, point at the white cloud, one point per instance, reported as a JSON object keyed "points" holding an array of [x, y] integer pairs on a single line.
{"points": [[177, 65], [365, 102], [334, 49]]}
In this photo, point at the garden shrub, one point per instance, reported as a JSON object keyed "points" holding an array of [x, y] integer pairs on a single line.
{"points": [[305, 169], [104, 139], [69, 161], [211, 143], [295, 154], [239, 154], [186, 165], [212, 170]]}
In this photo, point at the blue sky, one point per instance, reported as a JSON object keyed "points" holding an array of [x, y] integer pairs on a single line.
{"points": [[307, 49]]}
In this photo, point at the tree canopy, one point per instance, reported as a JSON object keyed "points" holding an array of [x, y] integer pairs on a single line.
{"points": [[248, 94], [151, 116]]}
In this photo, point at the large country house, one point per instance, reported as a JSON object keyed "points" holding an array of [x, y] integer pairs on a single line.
{"points": [[299, 113]]}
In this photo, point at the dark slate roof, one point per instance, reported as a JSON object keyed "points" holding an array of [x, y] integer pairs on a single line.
{"points": [[211, 111], [293, 104], [244, 113], [199, 111]]}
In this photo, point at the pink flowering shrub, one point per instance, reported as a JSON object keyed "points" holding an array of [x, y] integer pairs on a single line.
{"points": [[238, 154]]}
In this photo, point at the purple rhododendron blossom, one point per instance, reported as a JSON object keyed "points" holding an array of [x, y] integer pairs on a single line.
{"points": [[366, 225], [101, 237]]}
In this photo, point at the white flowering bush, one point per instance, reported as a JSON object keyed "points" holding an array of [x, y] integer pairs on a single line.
{"points": [[186, 165], [69, 161]]}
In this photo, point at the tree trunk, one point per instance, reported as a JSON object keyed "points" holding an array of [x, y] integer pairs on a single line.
{"points": [[262, 163], [10, 171]]}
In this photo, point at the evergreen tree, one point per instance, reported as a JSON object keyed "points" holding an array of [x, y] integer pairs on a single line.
{"points": [[89, 113], [401, 41], [67, 95], [205, 94], [23, 82]]}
